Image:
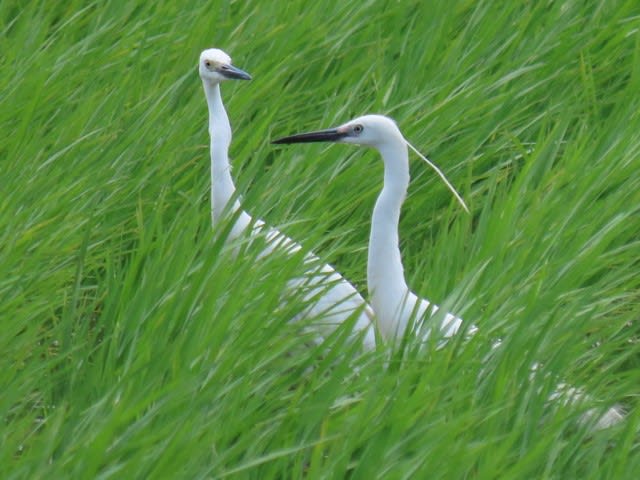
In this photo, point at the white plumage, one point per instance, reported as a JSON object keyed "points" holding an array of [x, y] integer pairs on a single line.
{"points": [[395, 305], [332, 299]]}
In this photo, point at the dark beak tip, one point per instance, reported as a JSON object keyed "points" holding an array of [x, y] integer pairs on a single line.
{"points": [[241, 76], [234, 73]]}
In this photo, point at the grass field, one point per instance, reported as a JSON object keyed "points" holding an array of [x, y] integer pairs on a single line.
{"points": [[135, 345]]}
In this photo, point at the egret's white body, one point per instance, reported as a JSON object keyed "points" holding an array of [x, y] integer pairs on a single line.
{"points": [[395, 305], [332, 299]]}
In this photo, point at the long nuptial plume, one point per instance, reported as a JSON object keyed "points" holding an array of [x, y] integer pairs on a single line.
{"points": [[441, 175]]}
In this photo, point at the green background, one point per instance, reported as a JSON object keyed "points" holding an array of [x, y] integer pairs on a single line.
{"points": [[135, 345]]}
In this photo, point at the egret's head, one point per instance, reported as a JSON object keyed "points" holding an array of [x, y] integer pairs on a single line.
{"points": [[375, 131], [369, 130], [215, 67]]}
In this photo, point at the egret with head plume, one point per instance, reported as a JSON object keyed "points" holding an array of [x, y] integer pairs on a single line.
{"points": [[393, 302], [395, 306]]}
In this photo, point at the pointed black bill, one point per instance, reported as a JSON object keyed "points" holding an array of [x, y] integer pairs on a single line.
{"points": [[234, 73], [329, 135]]}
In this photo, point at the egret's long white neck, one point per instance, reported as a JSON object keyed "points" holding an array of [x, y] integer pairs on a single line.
{"points": [[222, 187], [385, 274]]}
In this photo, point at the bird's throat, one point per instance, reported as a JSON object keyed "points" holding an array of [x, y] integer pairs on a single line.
{"points": [[385, 273]]}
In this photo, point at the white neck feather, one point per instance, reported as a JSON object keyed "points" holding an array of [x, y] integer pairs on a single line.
{"points": [[222, 186], [385, 273]]}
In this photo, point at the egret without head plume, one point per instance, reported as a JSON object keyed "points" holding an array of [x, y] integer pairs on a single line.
{"points": [[331, 298]]}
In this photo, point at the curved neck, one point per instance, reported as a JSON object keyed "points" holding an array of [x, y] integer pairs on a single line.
{"points": [[385, 274], [222, 187]]}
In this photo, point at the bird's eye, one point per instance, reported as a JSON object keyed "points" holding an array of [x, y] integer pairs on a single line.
{"points": [[207, 63], [357, 129]]}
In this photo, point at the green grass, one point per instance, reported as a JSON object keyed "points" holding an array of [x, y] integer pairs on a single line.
{"points": [[135, 345]]}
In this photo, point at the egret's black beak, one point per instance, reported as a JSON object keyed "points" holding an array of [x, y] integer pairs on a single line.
{"points": [[329, 135], [234, 73]]}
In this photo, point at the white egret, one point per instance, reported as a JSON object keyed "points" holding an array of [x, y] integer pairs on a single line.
{"points": [[394, 304], [332, 299]]}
